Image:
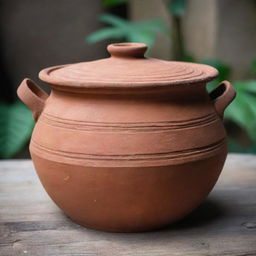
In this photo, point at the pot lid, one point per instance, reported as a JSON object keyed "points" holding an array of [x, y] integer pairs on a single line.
{"points": [[127, 68]]}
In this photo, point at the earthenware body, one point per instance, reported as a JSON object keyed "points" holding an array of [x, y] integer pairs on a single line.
{"points": [[134, 145]]}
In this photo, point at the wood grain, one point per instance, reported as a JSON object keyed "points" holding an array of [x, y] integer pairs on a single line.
{"points": [[225, 224]]}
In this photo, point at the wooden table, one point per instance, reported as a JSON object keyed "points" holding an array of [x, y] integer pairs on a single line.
{"points": [[225, 224]]}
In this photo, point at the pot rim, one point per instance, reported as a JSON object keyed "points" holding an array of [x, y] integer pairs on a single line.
{"points": [[70, 84]]}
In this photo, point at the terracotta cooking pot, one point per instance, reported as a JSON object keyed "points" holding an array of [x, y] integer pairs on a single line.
{"points": [[128, 143]]}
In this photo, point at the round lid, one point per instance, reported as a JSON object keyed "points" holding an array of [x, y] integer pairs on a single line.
{"points": [[127, 68]]}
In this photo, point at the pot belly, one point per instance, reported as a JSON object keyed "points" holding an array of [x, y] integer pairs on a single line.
{"points": [[128, 199], [127, 144], [128, 177]]}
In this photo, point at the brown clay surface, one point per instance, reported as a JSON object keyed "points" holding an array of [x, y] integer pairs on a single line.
{"points": [[129, 199]]}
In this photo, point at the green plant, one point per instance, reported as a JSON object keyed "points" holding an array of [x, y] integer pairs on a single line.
{"points": [[16, 125], [243, 110], [110, 3], [122, 29]]}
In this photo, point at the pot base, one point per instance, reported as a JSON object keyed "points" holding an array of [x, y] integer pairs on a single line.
{"points": [[129, 230]]}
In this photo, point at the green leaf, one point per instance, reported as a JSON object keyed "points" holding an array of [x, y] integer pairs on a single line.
{"points": [[144, 32], [105, 33], [248, 85], [142, 37], [111, 3], [177, 7], [154, 25], [16, 125], [243, 108]]}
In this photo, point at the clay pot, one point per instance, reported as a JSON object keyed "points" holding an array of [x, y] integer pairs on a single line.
{"points": [[128, 143]]}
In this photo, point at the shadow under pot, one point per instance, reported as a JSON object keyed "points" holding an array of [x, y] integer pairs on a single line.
{"points": [[128, 143]]}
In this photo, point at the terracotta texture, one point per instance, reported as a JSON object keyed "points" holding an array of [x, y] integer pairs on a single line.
{"points": [[128, 143]]}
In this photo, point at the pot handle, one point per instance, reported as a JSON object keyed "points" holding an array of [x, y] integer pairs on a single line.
{"points": [[222, 96], [33, 96]]}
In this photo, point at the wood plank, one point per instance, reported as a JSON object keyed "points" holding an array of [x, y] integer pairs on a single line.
{"points": [[225, 224]]}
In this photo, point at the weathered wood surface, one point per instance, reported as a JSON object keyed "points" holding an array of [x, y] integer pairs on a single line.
{"points": [[30, 223]]}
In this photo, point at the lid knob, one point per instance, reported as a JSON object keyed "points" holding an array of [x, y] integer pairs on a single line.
{"points": [[128, 50]]}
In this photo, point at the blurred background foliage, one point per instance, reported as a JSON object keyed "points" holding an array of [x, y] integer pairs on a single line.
{"points": [[121, 29], [16, 123]]}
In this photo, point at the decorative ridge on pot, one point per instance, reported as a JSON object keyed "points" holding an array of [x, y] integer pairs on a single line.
{"points": [[127, 68]]}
